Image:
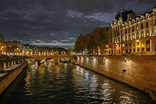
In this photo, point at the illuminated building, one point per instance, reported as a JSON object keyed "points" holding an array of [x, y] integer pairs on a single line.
{"points": [[133, 34], [13, 47], [2, 46]]}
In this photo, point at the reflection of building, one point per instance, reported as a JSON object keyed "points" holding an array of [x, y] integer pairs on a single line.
{"points": [[134, 34]]}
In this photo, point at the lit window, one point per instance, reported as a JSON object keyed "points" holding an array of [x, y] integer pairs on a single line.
{"points": [[155, 31], [133, 36], [137, 28], [147, 33], [123, 45], [123, 38], [142, 34]]}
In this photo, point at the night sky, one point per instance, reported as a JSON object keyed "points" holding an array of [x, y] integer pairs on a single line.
{"points": [[59, 22]]}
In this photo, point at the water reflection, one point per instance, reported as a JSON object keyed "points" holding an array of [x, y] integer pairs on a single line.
{"points": [[70, 84]]}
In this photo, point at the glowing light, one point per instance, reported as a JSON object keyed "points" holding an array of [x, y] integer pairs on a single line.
{"points": [[137, 40], [82, 59]]}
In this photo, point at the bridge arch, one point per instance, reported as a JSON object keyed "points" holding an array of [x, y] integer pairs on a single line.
{"points": [[56, 58]]}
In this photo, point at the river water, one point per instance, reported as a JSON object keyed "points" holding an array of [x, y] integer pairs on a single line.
{"points": [[66, 83]]}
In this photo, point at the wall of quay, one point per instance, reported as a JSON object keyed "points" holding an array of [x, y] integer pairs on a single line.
{"points": [[136, 71], [11, 76]]}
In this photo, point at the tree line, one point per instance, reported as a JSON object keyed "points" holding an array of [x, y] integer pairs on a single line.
{"points": [[92, 40]]}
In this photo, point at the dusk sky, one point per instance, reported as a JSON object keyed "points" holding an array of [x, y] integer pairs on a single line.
{"points": [[59, 22]]}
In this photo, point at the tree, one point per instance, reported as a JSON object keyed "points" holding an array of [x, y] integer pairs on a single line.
{"points": [[92, 40], [80, 44]]}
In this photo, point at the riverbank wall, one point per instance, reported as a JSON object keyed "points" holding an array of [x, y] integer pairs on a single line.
{"points": [[136, 71], [10, 76]]}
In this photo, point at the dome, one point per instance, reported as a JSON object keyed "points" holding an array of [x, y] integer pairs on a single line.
{"points": [[124, 14]]}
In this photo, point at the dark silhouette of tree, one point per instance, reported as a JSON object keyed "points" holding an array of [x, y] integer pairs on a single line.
{"points": [[92, 40], [80, 44]]}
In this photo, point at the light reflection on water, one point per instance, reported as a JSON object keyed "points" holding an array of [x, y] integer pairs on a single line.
{"points": [[70, 84]]}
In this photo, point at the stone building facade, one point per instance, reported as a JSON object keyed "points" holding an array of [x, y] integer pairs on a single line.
{"points": [[134, 34], [1, 44], [13, 47]]}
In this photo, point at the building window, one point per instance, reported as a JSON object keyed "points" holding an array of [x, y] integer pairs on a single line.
{"points": [[133, 36], [126, 51], [146, 24], [147, 33], [123, 38], [129, 44], [154, 31], [137, 43], [137, 28], [126, 44], [130, 50], [148, 45], [137, 35], [125, 31], [123, 45], [126, 37], [119, 39], [130, 37], [132, 29], [142, 34], [155, 22], [142, 26]]}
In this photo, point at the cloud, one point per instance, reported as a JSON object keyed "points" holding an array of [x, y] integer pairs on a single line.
{"points": [[60, 20], [54, 43]]}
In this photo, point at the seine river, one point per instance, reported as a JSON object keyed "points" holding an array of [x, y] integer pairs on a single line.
{"points": [[66, 83]]}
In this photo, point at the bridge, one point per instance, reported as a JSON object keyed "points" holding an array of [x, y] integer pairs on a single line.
{"points": [[55, 57]]}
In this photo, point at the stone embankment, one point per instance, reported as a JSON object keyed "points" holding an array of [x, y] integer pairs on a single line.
{"points": [[8, 75], [136, 71]]}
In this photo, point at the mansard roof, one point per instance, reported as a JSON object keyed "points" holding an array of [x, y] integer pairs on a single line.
{"points": [[142, 14], [123, 14], [136, 18]]}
